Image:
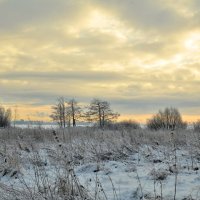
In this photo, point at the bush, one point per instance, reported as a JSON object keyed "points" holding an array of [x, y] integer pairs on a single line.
{"points": [[169, 119], [196, 126], [5, 117], [126, 124], [129, 124]]}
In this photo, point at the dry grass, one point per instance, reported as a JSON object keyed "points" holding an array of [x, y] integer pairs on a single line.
{"points": [[64, 149]]}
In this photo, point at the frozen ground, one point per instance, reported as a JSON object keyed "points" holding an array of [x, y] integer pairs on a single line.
{"points": [[100, 165], [145, 169]]}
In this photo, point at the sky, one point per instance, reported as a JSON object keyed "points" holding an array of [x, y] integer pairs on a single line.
{"points": [[140, 55]]}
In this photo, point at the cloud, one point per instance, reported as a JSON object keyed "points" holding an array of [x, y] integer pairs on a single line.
{"points": [[145, 14], [22, 13], [63, 76], [139, 54]]}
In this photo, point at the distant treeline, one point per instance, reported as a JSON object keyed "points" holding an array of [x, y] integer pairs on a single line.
{"points": [[35, 122], [67, 113]]}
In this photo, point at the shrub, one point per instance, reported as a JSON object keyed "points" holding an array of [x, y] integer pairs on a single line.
{"points": [[196, 126], [129, 124], [126, 124], [5, 117], [169, 119]]}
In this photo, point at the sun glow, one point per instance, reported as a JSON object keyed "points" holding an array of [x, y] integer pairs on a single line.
{"points": [[193, 42], [106, 23]]}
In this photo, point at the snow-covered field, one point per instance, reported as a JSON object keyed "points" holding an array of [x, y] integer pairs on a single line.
{"points": [[85, 163]]}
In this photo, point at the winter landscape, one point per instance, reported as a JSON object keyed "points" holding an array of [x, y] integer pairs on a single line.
{"points": [[99, 100], [89, 163]]}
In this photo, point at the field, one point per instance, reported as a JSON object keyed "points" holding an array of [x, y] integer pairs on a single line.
{"points": [[88, 163]]}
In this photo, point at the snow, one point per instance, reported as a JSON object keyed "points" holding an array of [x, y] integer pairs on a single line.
{"points": [[141, 174], [124, 177]]}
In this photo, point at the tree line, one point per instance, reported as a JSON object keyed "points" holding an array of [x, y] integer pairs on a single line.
{"points": [[69, 112], [66, 113]]}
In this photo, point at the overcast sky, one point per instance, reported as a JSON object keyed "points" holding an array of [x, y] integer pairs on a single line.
{"points": [[140, 55]]}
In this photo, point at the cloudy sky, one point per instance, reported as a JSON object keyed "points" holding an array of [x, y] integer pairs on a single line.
{"points": [[141, 55]]}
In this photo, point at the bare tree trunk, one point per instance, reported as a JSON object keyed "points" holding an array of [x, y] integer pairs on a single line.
{"points": [[103, 119], [73, 115], [64, 120], [100, 121]]}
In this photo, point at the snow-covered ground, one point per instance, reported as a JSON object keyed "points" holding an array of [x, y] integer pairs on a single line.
{"points": [[106, 167], [125, 176]]}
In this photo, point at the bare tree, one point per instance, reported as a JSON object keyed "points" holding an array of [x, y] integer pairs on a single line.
{"points": [[5, 117], [99, 111], [74, 111], [59, 113], [168, 119], [15, 117]]}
